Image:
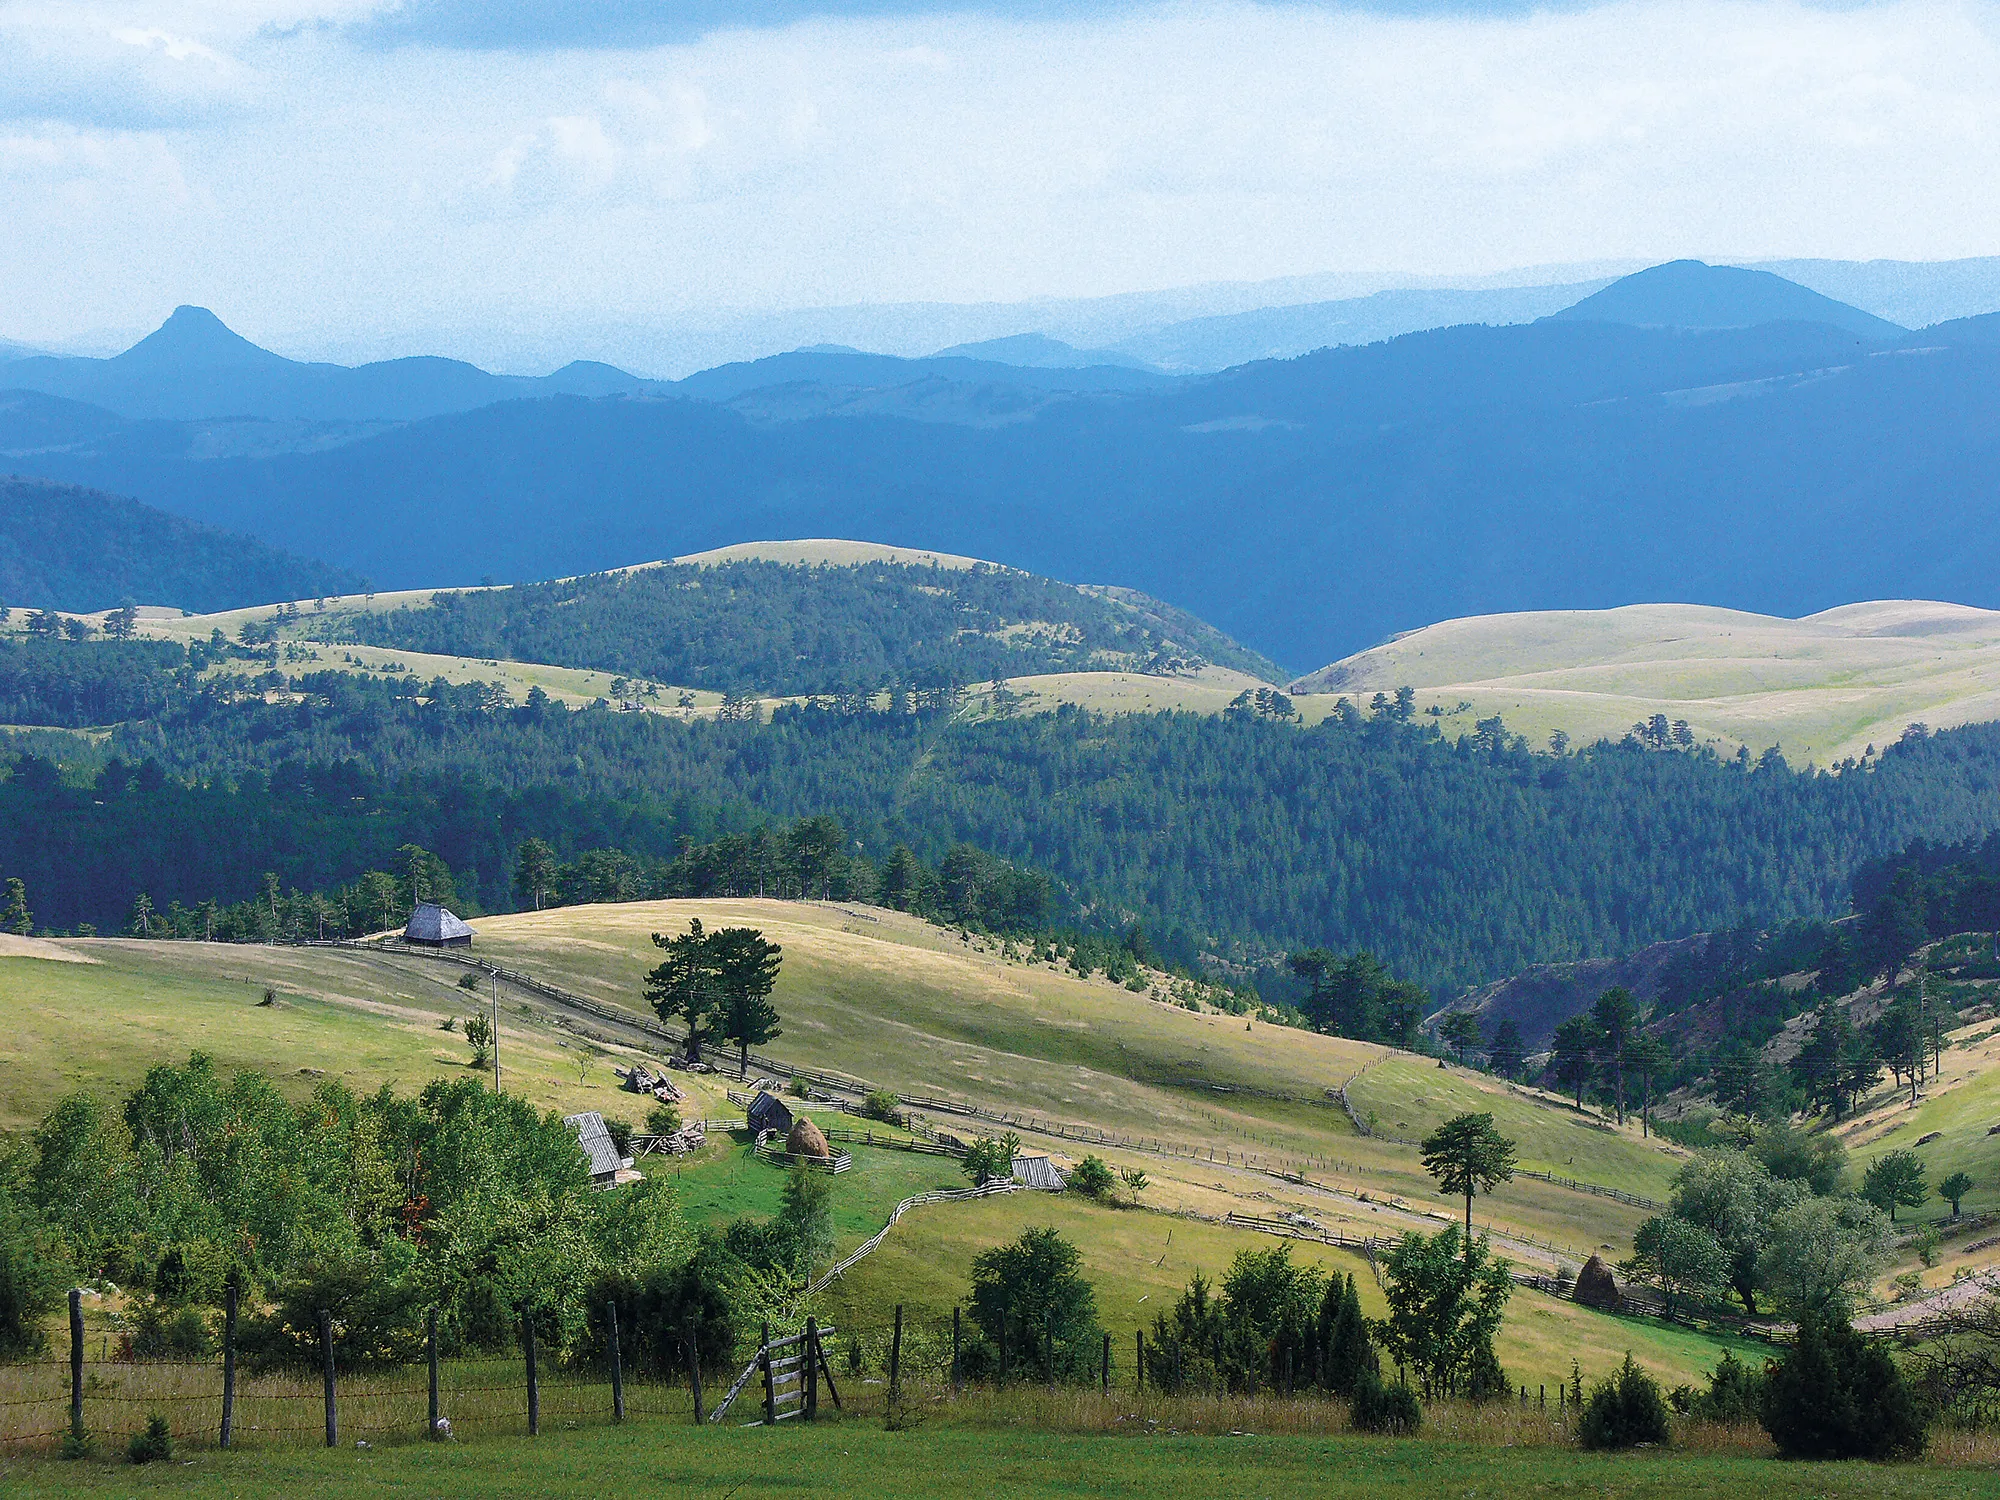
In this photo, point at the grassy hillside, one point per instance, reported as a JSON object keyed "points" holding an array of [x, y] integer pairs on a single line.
{"points": [[1823, 688], [866, 992]]}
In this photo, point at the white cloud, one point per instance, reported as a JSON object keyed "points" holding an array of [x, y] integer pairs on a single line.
{"points": [[958, 157]]}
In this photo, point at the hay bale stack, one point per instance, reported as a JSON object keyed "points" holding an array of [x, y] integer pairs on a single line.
{"points": [[1596, 1286], [805, 1140]]}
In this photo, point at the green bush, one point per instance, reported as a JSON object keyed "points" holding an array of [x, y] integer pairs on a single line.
{"points": [[884, 1106], [162, 1331], [1092, 1177], [1378, 1407], [1625, 1411], [621, 1133], [663, 1119], [1839, 1395], [155, 1443], [1735, 1392]]}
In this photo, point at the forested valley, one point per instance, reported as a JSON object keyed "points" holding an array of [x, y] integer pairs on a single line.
{"points": [[1232, 839]]}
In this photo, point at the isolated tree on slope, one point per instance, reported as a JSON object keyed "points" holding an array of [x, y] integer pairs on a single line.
{"points": [[746, 971], [1505, 1049], [1467, 1155]]}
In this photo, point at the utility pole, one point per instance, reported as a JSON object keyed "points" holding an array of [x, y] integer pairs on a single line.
{"points": [[494, 974]]}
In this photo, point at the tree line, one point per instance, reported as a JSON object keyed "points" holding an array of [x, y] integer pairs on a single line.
{"points": [[1233, 838]]}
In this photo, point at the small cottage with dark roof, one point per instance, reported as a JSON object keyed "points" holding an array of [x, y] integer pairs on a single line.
{"points": [[431, 926], [768, 1112], [591, 1134]]}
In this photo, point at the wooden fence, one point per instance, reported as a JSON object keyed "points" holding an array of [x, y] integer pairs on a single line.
{"points": [[868, 1246]]}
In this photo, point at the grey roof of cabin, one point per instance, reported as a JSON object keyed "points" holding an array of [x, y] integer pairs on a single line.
{"points": [[1038, 1172], [768, 1112], [596, 1142], [431, 923]]}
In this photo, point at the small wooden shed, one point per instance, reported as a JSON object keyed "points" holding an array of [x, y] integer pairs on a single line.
{"points": [[595, 1138], [768, 1112], [431, 926]]}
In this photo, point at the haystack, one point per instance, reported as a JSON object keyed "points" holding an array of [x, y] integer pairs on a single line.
{"points": [[805, 1140], [1596, 1286]]}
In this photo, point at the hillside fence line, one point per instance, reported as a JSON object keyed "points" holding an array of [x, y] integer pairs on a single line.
{"points": [[1291, 1170]]}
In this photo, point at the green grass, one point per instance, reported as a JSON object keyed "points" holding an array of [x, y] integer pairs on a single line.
{"points": [[100, 1026], [728, 1181], [937, 1460], [871, 993]]}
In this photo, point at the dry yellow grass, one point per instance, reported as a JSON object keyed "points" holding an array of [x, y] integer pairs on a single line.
{"points": [[1823, 687]]}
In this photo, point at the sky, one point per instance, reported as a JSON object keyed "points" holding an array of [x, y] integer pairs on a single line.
{"points": [[320, 171]]}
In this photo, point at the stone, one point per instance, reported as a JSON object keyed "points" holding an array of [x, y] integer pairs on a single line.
{"points": [[806, 1140]]}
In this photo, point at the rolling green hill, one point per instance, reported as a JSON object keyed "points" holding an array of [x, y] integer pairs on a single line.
{"points": [[1222, 1116], [1822, 688]]}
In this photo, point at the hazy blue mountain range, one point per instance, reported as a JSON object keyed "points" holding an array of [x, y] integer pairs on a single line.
{"points": [[73, 549], [1307, 507], [1285, 316]]}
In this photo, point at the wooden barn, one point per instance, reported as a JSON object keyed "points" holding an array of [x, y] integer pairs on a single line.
{"points": [[431, 926], [768, 1112]]}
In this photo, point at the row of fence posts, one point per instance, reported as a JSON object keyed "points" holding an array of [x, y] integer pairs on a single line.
{"points": [[330, 1382]]}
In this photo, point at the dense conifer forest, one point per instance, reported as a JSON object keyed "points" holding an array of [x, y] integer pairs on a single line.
{"points": [[787, 629], [1242, 836]]}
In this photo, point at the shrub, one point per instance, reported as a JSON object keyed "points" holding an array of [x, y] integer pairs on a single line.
{"points": [[1733, 1395], [1092, 1177], [1625, 1411], [662, 1119], [165, 1332], [1377, 1407], [620, 1132], [155, 1443], [884, 1106], [1839, 1395], [468, 980]]}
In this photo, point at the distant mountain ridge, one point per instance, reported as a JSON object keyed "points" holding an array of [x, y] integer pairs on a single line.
{"points": [[194, 367], [1690, 294]]}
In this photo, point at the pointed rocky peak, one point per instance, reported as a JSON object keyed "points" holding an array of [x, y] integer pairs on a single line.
{"points": [[195, 338]]}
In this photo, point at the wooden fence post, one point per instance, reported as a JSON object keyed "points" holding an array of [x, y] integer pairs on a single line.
{"points": [[1104, 1370], [617, 1369], [770, 1386], [431, 1360], [812, 1369], [534, 1383], [228, 1359], [1139, 1359], [326, 1373], [954, 1348], [76, 1363], [694, 1376], [896, 1359]]}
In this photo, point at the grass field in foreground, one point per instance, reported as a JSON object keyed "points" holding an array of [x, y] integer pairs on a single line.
{"points": [[935, 1460]]}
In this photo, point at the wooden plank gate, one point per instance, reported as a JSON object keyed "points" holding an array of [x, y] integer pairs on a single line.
{"points": [[792, 1368]]}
